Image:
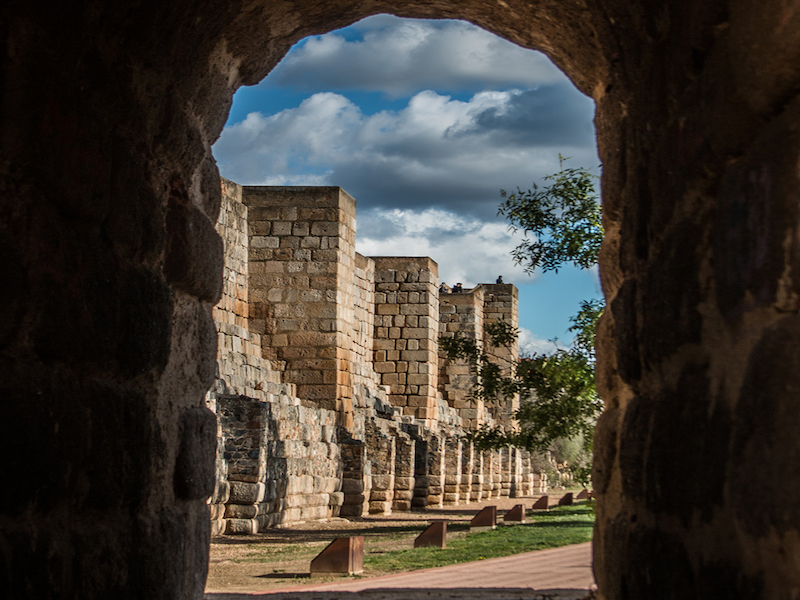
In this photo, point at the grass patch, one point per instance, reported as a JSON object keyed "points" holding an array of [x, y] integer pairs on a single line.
{"points": [[559, 527]]}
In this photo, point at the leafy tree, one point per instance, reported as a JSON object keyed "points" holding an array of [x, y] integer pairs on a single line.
{"points": [[584, 325], [564, 219], [559, 399], [490, 382]]}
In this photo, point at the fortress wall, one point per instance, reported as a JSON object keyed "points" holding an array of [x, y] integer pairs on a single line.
{"points": [[277, 460], [239, 356], [406, 332], [404, 481], [462, 315], [362, 326], [501, 303], [302, 250], [283, 460], [307, 427]]}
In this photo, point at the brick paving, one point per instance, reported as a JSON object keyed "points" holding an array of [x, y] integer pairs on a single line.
{"points": [[558, 573]]}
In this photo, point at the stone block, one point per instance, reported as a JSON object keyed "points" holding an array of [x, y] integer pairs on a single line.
{"points": [[415, 309], [583, 495], [401, 505], [358, 499], [381, 495], [328, 485], [403, 494], [243, 492], [322, 228], [404, 483], [336, 498], [351, 510], [435, 536], [390, 379], [566, 500], [222, 492], [241, 526], [485, 519], [380, 507], [415, 333], [382, 482], [218, 527], [216, 511], [343, 555], [313, 513], [515, 515], [435, 499], [241, 511]]}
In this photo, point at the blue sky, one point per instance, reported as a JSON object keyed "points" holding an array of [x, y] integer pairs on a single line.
{"points": [[423, 122]]}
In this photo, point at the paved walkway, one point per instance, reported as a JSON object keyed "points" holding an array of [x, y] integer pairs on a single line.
{"points": [[558, 573]]}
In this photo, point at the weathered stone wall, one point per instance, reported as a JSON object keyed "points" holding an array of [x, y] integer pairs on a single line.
{"points": [[284, 456], [240, 363], [302, 269], [461, 315], [406, 332], [465, 314], [362, 327], [501, 303]]}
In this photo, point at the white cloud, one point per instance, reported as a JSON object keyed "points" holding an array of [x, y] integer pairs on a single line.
{"points": [[467, 250], [529, 343], [401, 56], [436, 151]]}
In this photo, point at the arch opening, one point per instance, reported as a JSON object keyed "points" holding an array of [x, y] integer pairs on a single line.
{"points": [[329, 131]]}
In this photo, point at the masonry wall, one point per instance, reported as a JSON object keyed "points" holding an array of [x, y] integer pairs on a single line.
{"points": [[501, 303], [302, 259], [362, 326], [239, 347], [466, 314], [406, 332], [349, 422]]}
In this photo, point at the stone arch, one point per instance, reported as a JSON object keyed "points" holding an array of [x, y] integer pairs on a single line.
{"points": [[111, 266]]}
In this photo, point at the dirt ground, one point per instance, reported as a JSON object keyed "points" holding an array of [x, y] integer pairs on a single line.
{"points": [[280, 558]]}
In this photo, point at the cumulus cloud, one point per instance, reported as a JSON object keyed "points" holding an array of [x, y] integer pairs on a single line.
{"points": [[530, 343], [467, 250], [435, 152], [401, 56]]}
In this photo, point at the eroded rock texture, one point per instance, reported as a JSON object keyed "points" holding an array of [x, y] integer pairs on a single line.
{"points": [[110, 266]]}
